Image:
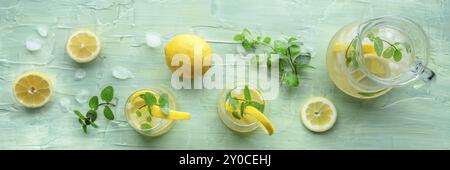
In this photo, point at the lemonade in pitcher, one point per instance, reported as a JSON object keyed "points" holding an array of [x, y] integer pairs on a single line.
{"points": [[365, 60]]}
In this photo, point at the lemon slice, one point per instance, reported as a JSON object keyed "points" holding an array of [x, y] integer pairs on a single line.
{"points": [[83, 46], [341, 47], [377, 66], [138, 104], [32, 89], [318, 114], [262, 119]]}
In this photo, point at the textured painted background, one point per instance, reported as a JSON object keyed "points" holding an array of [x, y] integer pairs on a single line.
{"points": [[403, 119]]}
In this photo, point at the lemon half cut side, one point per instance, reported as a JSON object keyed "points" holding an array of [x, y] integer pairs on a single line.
{"points": [[32, 89]]}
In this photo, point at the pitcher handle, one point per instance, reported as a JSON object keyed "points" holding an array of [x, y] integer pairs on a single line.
{"points": [[426, 75]]}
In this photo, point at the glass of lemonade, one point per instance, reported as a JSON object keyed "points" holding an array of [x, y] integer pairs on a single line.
{"points": [[142, 121], [366, 59], [237, 121]]}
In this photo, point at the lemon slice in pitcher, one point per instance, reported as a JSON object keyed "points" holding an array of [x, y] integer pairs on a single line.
{"points": [[83, 46], [32, 89], [318, 114]]}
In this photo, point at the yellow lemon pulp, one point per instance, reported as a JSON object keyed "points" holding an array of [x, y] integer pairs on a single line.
{"points": [[139, 104], [318, 114], [83, 46], [32, 89], [189, 46], [251, 114]]}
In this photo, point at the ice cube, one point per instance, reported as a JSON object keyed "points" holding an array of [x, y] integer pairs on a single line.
{"points": [[33, 44], [122, 73], [42, 30], [80, 74], [82, 96], [153, 40], [65, 104]]}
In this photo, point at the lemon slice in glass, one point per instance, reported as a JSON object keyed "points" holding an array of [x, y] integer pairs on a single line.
{"points": [[318, 114], [83, 46], [32, 89]]}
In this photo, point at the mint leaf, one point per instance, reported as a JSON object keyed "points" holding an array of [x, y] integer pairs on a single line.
{"points": [[163, 100], [290, 79], [389, 52], [267, 40], [149, 100], [138, 113], [294, 50], [107, 94], [164, 103], [91, 115], [378, 44], [235, 115], [292, 39], [247, 95], [397, 55], [93, 102], [149, 119], [234, 103], [78, 113], [94, 125], [108, 113], [258, 106], [280, 47], [84, 129], [303, 59], [238, 37], [145, 126], [242, 109], [247, 45]]}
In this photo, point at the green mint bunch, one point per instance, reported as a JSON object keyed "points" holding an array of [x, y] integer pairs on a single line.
{"points": [[106, 95], [292, 60]]}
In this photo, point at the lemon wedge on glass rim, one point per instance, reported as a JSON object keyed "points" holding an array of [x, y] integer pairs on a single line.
{"points": [[265, 123], [318, 114], [32, 89], [83, 46]]}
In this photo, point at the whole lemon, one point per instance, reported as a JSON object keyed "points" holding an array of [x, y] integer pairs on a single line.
{"points": [[190, 46]]}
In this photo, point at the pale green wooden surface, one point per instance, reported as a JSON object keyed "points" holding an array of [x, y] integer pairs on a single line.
{"points": [[420, 120]]}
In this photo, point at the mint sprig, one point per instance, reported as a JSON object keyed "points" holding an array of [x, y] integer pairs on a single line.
{"points": [[392, 51], [107, 95], [241, 104], [150, 100], [292, 60]]}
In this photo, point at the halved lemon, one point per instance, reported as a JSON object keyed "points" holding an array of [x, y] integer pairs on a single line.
{"points": [[318, 114], [138, 104], [32, 89], [83, 46]]}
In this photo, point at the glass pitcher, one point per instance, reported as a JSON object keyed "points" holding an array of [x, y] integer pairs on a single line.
{"points": [[366, 59]]}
